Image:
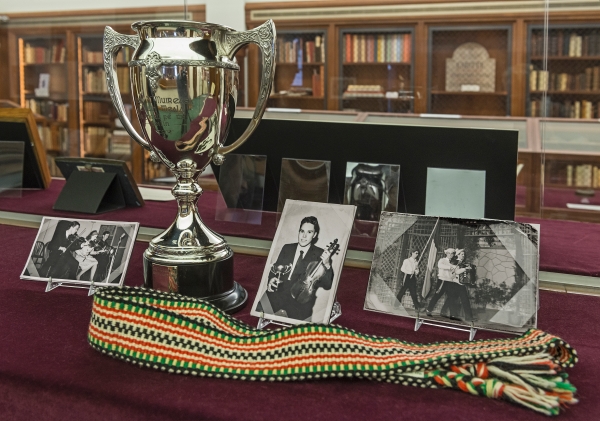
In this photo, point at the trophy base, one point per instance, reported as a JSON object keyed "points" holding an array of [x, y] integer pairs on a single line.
{"points": [[211, 281]]}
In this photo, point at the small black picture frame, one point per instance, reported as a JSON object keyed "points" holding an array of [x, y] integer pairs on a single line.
{"points": [[128, 186], [18, 124]]}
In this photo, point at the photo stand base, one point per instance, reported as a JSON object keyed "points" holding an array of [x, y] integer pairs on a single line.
{"points": [[50, 285], [419, 322], [336, 311]]}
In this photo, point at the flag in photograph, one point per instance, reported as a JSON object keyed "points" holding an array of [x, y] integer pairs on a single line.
{"points": [[431, 258]]}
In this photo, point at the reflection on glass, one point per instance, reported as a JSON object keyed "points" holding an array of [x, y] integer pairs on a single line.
{"points": [[12, 155], [372, 188], [303, 180], [242, 186]]}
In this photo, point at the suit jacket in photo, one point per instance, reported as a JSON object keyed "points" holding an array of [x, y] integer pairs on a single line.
{"points": [[282, 298], [59, 239]]}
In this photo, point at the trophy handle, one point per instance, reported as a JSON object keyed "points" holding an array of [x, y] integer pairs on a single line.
{"points": [[264, 36], [113, 41]]}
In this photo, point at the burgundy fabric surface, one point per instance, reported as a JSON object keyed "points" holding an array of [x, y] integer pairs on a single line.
{"points": [[566, 246], [558, 198], [49, 372]]}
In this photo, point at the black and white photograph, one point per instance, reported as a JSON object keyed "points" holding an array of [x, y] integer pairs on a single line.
{"points": [[478, 273], [372, 188], [300, 279], [81, 251]]}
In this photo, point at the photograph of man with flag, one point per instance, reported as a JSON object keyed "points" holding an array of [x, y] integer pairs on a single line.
{"points": [[478, 273]]}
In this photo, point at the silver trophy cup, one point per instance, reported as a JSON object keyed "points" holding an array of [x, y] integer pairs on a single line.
{"points": [[184, 81]]}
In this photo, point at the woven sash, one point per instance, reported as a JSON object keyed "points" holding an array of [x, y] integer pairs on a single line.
{"points": [[184, 335]]}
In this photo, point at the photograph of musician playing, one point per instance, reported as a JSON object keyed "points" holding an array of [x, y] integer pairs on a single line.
{"points": [[458, 296], [444, 278], [60, 262], [296, 259], [85, 256], [103, 251], [452, 273]]}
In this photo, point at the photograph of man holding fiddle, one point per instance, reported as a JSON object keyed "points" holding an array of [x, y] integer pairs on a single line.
{"points": [[298, 281], [74, 250]]}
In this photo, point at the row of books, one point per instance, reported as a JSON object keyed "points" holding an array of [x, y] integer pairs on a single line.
{"points": [[299, 50], [120, 143], [541, 80], [586, 175], [53, 110], [566, 109], [97, 111], [97, 57], [566, 44], [377, 48], [94, 81], [33, 54], [60, 142], [95, 140]]}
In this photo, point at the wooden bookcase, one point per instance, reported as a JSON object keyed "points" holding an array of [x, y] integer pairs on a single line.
{"points": [[503, 28], [301, 67], [572, 78], [376, 69], [80, 107], [45, 56], [98, 123]]}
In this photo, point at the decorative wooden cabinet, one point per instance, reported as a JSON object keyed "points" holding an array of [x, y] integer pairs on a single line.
{"points": [[469, 70]]}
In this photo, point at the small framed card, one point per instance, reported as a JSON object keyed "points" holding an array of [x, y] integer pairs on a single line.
{"points": [[81, 251], [300, 279]]}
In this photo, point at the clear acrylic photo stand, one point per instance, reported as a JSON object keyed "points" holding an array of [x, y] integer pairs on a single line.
{"points": [[336, 311], [53, 285], [419, 322]]}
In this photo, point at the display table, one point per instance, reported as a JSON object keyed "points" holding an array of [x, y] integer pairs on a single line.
{"points": [[48, 371], [565, 246]]}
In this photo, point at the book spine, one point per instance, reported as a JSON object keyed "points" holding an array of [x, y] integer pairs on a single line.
{"points": [[348, 49], [407, 48]]}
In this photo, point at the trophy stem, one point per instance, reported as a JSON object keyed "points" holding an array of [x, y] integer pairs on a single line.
{"points": [[188, 257]]}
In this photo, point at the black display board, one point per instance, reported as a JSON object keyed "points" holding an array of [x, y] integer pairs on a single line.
{"points": [[414, 148], [91, 192]]}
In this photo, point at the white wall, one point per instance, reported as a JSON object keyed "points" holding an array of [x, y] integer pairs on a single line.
{"points": [[225, 12]]}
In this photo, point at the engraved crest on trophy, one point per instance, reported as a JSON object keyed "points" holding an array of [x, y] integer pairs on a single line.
{"points": [[471, 69]]}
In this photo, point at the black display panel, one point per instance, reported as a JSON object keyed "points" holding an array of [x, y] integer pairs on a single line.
{"points": [[414, 148]]}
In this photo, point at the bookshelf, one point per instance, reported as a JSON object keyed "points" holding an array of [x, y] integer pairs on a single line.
{"points": [[376, 70], [301, 68], [77, 117], [462, 43], [42, 64], [99, 127], [572, 79]]}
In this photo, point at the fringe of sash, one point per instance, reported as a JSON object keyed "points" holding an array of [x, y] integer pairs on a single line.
{"points": [[185, 335]]}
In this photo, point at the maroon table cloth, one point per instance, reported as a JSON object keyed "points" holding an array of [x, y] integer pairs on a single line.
{"points": [[565, 246], [49, 372]]}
